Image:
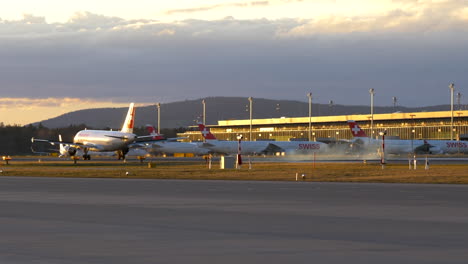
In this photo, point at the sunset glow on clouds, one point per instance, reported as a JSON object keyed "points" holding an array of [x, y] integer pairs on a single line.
{"points": [[33, 110], [161, 51], [60, 11]]}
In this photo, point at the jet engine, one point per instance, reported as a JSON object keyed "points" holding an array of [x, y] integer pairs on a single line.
{"points": [[357, 146], [427, 148], [71, 151]]}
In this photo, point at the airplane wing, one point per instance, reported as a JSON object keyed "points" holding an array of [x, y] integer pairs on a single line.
{"points": [[162, 139], [156, 144], [146, 144], [122, 138], [53, 143], [206, 145], [139, 145], [148, 136], [427, 148], [49, 151], [175, 139], [93, 147], [272, 148]]}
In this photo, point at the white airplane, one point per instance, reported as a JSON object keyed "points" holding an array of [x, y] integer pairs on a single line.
{"points": [[399, 146], [259, 147], [103, 140], [171, 146], [66, 152]]}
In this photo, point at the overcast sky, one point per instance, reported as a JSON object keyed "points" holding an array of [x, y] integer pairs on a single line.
{"points": [[58, 56]]}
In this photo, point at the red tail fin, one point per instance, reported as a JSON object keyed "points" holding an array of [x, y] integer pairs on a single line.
{"points": [[153, 133], [129, 120], [206, 132], [355, 129]]}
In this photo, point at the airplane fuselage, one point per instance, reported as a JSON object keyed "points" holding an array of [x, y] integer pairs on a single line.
{"points": [[179, 147], [101, 140], [450, 146], [399, 146], [259, 147], [301, 147], [231, 147]]}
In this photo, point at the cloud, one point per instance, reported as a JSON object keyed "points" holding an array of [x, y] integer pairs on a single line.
{"points": [[36, 109], [407, 53], [212, 7], [30, 19], [421, 17], [166, 32], [26, 103]]}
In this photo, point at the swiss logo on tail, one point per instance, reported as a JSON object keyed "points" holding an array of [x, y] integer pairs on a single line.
{"points": [[206, 132], [355, 129], [152, 131]]}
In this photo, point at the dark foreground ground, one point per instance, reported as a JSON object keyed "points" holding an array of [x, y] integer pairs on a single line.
{"points": [[70, 220]]}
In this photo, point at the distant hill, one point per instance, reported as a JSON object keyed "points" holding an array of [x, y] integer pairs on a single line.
{"points": [[186, 113]]}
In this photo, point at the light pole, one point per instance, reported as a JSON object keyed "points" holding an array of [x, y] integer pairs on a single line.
{"points": [[309, 95], [382, 159], [394, 103], [459, 125], [239, 158], [372, 92], [412, 131], [158, 105], [458, 130], [452, 88], [204, 111], [250, 110]]}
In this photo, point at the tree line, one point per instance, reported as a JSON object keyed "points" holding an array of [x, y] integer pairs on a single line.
{"points": [[16, 139]]}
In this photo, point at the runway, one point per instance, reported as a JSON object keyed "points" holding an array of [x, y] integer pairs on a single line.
{"points": [[64, 220]]}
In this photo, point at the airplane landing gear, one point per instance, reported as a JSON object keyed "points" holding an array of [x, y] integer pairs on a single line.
{"points": [[86, 156], [121, 154]]}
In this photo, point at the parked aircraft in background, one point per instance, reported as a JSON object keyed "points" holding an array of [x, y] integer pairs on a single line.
{"points": [[103, 140], [260, 147], [171, 146], [400, 146]]}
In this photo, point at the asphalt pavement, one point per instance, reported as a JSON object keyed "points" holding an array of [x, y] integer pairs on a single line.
{"points": [[63, 220]]}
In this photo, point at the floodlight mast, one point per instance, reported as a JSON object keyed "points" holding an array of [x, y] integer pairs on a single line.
{"points": [[382, 157], [309, 95], [412, 132], [204, 111], [250, 110], [372, 92], [158, 106], [452, 88]]}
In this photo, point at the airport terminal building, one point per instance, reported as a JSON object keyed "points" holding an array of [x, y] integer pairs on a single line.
{"points": [[416, 125]]}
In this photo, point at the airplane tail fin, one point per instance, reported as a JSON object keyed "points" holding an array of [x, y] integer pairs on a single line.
{"points": [[206, 132], [62, 148], [356, 130], [152, 131], [129, 120]]}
